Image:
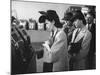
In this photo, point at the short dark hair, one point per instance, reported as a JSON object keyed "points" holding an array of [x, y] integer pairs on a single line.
{"points": [[42, 19], [78, 15], [52, 15]]}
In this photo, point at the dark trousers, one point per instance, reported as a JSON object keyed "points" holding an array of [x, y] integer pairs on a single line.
{"points": [[47, 67]]}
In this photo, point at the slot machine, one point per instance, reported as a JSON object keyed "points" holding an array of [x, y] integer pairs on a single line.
{"points": [[27, 44], [16, 51], [21, 50]]}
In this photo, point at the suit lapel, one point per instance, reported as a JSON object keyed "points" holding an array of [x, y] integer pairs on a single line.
{"points": [[81, 34]]}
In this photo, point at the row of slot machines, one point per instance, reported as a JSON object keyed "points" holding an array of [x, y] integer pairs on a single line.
{"points": [[21, 50]]}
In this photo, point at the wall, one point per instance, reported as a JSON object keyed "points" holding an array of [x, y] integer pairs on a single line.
{"points": [[26, 10]]}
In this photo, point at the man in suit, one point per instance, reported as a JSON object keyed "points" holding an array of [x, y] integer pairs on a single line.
{"points": [[92, 28], [80, 43], [55, 50], [68, 27]]}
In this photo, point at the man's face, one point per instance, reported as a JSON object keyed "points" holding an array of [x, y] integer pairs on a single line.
{"points": [[49, 25], [77, 23], [89, 18]]}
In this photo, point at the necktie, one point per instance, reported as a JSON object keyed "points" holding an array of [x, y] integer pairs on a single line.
{"points": [[76, 35]]}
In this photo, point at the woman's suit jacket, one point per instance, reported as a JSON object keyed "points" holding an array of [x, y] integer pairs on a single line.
{"points": [[58, 54]]}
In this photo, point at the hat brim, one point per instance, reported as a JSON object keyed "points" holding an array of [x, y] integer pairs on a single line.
{"points": [[42, 12]]}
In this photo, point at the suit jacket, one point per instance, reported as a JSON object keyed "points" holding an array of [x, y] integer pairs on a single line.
{"points": [[58, 53], [93, 40], [86, 35]]}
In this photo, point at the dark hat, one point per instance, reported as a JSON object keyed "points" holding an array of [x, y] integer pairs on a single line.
{"points": [[67, 16], [42, 12], [51, 15], [78, 15]]}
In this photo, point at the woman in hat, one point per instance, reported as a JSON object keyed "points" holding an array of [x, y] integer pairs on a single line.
{"points": [[55, 49]]}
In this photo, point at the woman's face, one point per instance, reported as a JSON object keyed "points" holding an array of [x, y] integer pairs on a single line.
{"points": [[49, 25]]}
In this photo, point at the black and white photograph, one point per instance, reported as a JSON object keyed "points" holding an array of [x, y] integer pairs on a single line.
{"points": [[52, 37]]}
